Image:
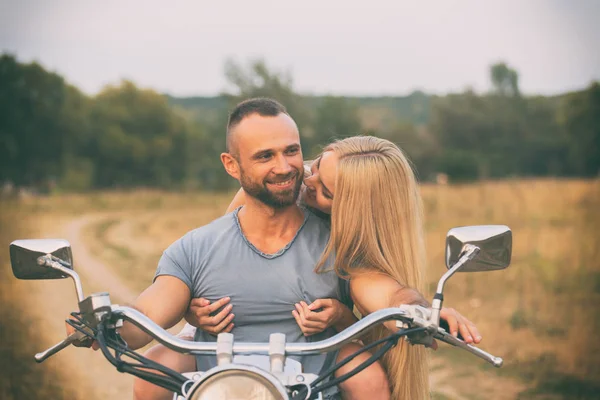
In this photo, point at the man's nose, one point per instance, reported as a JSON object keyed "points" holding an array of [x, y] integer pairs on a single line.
{"points": [[282, 166]]}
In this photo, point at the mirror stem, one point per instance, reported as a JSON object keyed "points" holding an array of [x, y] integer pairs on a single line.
{"points": [[469, 252], [48, 261]]}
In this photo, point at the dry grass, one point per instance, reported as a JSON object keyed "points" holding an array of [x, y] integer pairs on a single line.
{"points": [[539, 314], [20, 377]]}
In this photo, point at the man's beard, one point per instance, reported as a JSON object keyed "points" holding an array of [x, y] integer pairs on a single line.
{"points": [[261, 192]]}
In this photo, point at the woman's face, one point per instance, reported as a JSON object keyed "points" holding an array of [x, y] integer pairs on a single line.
{"points": [[320, 185]]}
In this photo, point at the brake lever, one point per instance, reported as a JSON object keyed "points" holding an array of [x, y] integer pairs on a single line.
{"points": [[73, 337], [451, 340]]}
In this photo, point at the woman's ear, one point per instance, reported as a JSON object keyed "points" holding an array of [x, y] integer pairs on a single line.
{"points": [[231, 165]]}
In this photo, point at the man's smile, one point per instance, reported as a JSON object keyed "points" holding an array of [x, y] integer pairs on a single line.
{"points": [[286, 184]]}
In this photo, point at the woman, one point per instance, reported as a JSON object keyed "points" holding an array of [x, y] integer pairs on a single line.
{"points": [[376, 234]]}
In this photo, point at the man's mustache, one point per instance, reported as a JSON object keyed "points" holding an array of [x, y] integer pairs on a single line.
{"points": [[283, 178]]}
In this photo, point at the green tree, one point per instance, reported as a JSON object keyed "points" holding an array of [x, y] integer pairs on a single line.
{"points": [[505, 80], [38, 125], [580, 120], [257, 80], [136, 139], [336, 118]]}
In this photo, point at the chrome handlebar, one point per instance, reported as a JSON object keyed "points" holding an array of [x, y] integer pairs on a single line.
{"points": [[415, 316], [296, 349], [402, 313]]}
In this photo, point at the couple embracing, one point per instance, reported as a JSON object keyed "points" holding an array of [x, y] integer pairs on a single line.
{"points": [[296, 252]]}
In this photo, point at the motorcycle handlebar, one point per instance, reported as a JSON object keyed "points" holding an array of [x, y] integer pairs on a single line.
{"points": [[296, 349]]}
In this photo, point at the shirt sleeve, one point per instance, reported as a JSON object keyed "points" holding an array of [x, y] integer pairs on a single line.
{"points": [[175, 262], [345, 298]]}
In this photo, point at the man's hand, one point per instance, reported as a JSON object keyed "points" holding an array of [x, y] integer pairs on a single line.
{"points": [[457, 323], [199, 315], [85, 342], [312, 321]]}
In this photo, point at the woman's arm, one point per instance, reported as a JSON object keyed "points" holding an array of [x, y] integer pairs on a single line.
{"points": [[238, 200], [372, 291]]}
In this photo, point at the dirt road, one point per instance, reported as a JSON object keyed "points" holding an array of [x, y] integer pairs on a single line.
{"points": [[86, 373]]}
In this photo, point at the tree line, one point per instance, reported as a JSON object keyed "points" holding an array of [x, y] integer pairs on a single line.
{"points": [[54, 136]]}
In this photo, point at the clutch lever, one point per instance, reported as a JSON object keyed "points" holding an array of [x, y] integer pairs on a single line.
{"points": [[73, 337]]}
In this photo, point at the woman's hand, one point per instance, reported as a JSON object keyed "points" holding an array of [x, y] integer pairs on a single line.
{"points": [[199, 314], [318, 316], [459, 324]]}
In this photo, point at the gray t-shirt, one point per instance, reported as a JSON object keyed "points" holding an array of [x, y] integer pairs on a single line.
{"points": [[217, 260]]}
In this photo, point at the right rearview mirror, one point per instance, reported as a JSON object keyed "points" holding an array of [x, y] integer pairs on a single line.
{"points": [[494, 242], [24, 256]]}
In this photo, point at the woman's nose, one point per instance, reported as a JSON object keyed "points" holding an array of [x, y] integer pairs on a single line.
{"points": [[309, 181]]}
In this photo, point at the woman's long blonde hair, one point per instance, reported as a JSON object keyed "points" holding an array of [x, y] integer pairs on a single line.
{"points": [[376, 226]]}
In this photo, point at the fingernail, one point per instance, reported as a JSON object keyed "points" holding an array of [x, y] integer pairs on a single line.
{"points": [[478, 338]]}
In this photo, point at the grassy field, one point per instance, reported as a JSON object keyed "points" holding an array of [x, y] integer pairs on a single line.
{"points": [[20, 377], [539, 314]]}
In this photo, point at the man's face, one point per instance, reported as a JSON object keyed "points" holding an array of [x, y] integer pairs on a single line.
{"points": [[270, 159]]}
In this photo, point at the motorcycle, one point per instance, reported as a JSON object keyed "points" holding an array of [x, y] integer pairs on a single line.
{"points": [[257, 370]]}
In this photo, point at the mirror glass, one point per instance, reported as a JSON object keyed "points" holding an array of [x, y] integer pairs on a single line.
{"points": [[494, 242], [24, 255]]}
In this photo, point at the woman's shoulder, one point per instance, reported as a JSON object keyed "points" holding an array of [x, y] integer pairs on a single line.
{"points": [[371, 291], [372, 280]]}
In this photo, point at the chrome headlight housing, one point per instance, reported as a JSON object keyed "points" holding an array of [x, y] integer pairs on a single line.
{"points": [[237, 382]]}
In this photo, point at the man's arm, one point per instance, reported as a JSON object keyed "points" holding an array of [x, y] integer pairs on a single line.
{"points": [[164, 302], [238, 200]]}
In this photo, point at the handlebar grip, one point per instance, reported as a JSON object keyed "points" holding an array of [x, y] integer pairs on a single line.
{"points": [[44, 355], [444, 325]]}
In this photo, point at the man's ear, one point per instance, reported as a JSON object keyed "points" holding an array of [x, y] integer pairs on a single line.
{"points": [[231, 165]]}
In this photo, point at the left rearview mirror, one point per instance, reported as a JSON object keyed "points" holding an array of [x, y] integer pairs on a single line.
{"points": [[24, 256]]}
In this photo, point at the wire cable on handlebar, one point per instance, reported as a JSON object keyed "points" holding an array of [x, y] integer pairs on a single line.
{"points": [[389, 342], [170, 380]]}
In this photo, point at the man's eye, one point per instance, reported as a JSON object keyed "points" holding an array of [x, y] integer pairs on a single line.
{"points": [[292, 151], [264, 156]]}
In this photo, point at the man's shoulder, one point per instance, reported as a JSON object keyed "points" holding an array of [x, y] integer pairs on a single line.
{"points": [[209, 232]]}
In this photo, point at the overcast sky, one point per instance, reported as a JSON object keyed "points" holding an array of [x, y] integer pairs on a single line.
{"points": [[369, 47]]}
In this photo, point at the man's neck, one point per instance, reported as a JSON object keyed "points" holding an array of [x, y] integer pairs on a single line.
{"points": [[259, 220]]}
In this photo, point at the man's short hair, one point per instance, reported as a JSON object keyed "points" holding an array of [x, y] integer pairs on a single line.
{"points": [[262, 106]]}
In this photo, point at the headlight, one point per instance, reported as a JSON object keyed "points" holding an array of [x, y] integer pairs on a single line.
{"points": [[237, 382]]}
